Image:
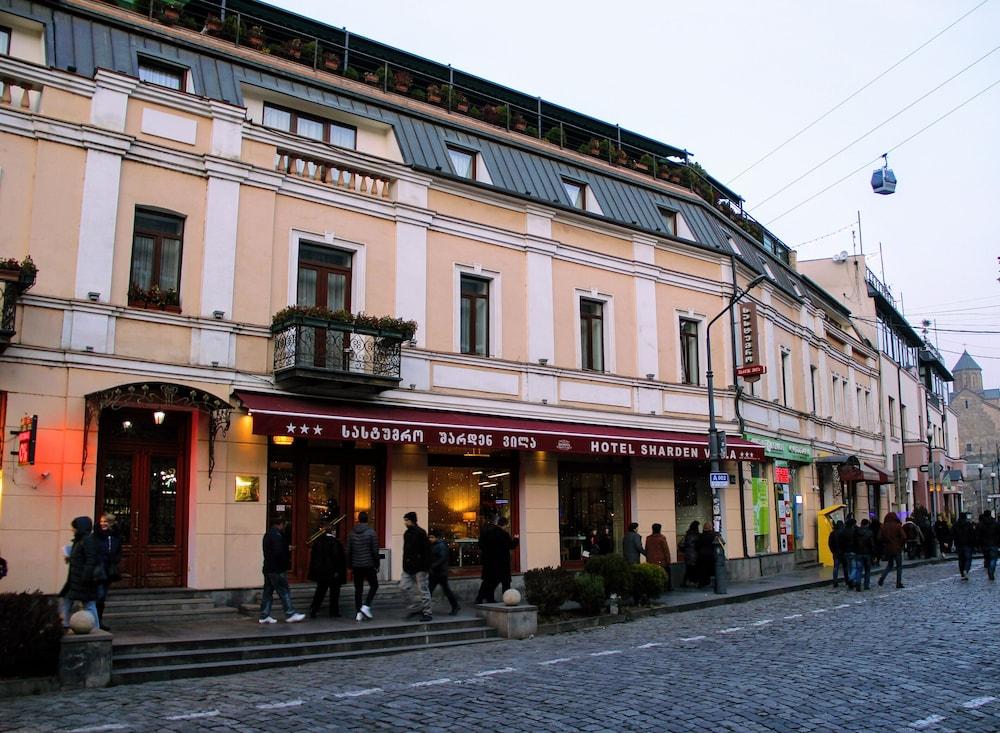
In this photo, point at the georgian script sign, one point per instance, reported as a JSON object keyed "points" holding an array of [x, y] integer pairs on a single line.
{"points": [[749, 344], [487, 437]]}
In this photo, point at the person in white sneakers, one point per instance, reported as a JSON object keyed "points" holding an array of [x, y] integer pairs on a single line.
{"points": [[277, 561], [362, 559]]}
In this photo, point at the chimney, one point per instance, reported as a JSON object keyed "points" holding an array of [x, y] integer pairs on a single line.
{"points": [[793, 260]]}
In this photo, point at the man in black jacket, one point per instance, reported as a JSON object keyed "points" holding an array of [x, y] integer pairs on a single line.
{"points": [[416, 566], [964, 535], [864, 548], [328, 569], [439, 569], [277, 561], [363, 560]]}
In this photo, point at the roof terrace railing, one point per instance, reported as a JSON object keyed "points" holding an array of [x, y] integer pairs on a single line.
{"points": [[879, 287]]}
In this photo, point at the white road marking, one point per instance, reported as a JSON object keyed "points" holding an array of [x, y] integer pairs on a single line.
{"points": [[95, 728], [279, 705], [819, 610], [489, 672], [650, 645], [843, 605], [928, 721], [692, 638], [428, 683], [731, 631], [794, 615], [557, 661], [763, 622], [192, 716], [604, 654], [977, 702], [856, 602], [359, 693]]}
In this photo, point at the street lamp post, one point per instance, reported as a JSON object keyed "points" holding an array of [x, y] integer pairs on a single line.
{"points": [[931, 471], [721, 578], [982, 496], [993, 487]]}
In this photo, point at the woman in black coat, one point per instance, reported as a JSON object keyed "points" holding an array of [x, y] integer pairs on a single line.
{"points": [[109, 555], [84, 572], [689, 550], [706, 555]]}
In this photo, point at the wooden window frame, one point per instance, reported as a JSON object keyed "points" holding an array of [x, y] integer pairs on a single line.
{"points": [[326, 123], [471, 325], [322, 269], [473, 170], [154, 278], [167, 68], [586, 336], [687, 377], [9, 32]]}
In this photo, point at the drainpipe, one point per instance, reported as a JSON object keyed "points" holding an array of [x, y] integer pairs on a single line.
{"points": [[739, 417]]}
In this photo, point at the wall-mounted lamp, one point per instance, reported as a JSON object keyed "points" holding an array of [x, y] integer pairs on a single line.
{"points": [[650, 376], [215, 363], [159, 416], [93, 295], [126, 425], [218, 315], [544, 401], [543, 362], [282, 439]]}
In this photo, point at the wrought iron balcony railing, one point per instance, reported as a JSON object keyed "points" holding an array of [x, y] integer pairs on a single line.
{"points": [[318, 355]]}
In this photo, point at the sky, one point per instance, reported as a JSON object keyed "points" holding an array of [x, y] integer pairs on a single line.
{"points": [[731, 81]]}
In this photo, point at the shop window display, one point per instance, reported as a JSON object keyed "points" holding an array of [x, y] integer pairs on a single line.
{"points": [[590, 501]]}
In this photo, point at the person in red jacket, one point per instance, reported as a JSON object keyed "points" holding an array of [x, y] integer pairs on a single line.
{"points": [[658, 552], [893, 540]]}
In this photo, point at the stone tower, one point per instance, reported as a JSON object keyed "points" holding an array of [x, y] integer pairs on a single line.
{"points": [[968, 374]]}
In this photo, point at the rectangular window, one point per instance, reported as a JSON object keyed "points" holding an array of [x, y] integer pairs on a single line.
{"points": [[4, 40], [463, 162], [592, 503], [835, 406], [155, 275], [315, 128], [892, 417], [902, 421], [861, 414], [475, 316], [785, 378], [324, 277], [812, 389], [689, 351], [577, 193], [592, 334], [163, 75], [670, 221]]}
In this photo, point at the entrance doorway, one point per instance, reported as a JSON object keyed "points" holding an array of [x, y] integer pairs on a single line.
{"points": [[142, 479], [312, 487]]}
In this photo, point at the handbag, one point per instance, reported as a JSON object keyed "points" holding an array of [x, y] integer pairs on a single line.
{"points": [[114, 572], [99, 576]]}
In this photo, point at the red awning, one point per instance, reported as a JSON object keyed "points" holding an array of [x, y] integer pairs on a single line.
{"points": [[880, 476], [322, 419]]}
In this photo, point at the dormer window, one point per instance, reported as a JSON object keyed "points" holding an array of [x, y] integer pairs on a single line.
{"points": [[669, 218], [577, 193], [315, 128], [163, 75], [4, 40], [463, 162]]}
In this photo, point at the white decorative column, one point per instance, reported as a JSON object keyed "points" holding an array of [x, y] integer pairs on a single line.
{"points": [[541, 324], [647, 352]]}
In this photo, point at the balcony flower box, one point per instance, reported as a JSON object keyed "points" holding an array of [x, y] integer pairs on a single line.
{"points": [[22, 272], [154, 299]]}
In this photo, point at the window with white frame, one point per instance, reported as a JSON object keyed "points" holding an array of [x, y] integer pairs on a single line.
{"points": [[669, 218], [315, 128], [892, 418], [162, 74], [786, 378], [463, 162], [576, 192], [474, 308], [689, 351]]}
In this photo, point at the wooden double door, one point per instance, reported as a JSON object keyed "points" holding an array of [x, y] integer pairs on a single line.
{"points": [[142, 479]]}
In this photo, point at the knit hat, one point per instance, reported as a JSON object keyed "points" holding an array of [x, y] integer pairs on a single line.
{"points": [[412, 516]]}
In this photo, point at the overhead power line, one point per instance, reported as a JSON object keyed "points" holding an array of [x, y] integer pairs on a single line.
{"points": [[855, 93], [823, 236], [883, 123], [878, 158]]}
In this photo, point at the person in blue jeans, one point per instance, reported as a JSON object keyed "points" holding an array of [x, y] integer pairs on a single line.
{"points": [[84, 572], [893, 540], [277, 561], [989, 532], [864, 547]]}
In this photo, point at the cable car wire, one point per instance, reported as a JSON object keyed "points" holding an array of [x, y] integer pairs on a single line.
{"points": [[881, 124], [879, 157], [855, 93]]}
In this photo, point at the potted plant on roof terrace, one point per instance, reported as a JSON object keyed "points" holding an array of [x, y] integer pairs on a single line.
{"points": [[255, 37], [434, 94], [171, 11], [519, 123], [292, 48], [213, 24], [331, 60], [402, 81]]}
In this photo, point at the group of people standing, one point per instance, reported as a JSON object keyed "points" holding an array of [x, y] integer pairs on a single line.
{"points": [[93, 559]]}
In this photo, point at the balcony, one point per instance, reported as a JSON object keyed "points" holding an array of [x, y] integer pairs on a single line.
{"points": [[332, 174], [16, 278], [324, 356]]}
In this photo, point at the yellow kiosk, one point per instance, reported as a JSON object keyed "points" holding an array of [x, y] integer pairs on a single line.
{"points": [[825, 519]]}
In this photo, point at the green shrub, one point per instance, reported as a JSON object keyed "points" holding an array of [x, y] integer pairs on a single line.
{"points": [[614, 571], [589, 592], [548, 588], [648, 582], [29, 643], [556, 135]]}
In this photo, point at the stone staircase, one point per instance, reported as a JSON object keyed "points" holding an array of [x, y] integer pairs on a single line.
{"points": [[388, 599], [130, 607], [284, 646]]}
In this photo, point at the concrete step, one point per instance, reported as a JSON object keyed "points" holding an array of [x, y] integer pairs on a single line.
{"points": [[123, 606], [166, 616], [161, 605]]}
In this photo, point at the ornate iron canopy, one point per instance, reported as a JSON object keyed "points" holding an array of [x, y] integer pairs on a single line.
{"points": [[159, 394]]}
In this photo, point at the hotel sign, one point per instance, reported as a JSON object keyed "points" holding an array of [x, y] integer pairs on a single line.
{"points": [[26, 438], [749, 344]]}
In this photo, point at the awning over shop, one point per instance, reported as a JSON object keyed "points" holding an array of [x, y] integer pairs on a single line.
{"points": [[326, 419], [852, 468], [879, 474]]}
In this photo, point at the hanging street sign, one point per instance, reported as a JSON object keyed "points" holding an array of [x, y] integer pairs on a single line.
{"points": [[751, 368]]}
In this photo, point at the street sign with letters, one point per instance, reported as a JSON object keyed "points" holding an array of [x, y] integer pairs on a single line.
{"points": [[718, 480]]}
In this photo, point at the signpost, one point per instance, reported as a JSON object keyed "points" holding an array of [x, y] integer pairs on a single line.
{"points": [[718, 480]]}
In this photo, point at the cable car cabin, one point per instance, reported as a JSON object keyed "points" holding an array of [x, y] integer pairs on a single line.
{"points": [[884, 180]]}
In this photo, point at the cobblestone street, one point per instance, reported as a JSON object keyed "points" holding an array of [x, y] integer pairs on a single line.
{"points": [[921, 658]]}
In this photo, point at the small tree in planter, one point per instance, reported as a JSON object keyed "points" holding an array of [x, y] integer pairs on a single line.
{"points": [[292, 48], [213, 24], [519, 123], [434, 94], [556, 136], [171, 11], [255, 37], [645, 163], [331, 60], [402, 81]]}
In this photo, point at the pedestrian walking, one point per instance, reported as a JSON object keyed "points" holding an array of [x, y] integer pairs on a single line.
{"points": [[509, 544], [689, 550], [658, 552], [439, 569], [943, 534], [277, 561], [914, 539], [964, 535], [990, 533], [837, 542], [847, 540], [864, 547], [328, 569], [632, 545], [362, 559], [893, 540], [876, 527], [490, 551], [109, 554], [706, 555], [416, 568], [84, 572]]}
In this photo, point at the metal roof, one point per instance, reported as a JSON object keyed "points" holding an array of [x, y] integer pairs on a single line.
{"points": [[966, 362]]}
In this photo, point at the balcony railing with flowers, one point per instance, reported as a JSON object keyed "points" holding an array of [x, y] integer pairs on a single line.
{"points": [[16, 277], [321, 351]]}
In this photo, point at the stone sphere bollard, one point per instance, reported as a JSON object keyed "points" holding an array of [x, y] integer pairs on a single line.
{"points": [[82, 622], [511, 597]]}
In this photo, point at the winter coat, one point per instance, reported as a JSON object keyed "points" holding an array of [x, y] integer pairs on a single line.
{"points": [[845, 539], [605, 543], [327, 563], [632, 548], [892, 535], [864, 541], [440, 556], [689, 548], [964, 533], [942, 531], [277, 557], [495, 544], [109, 548], [362, 547], [416, 551], [706, 545], [657, 550], [989, 532], [83, 561]]}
